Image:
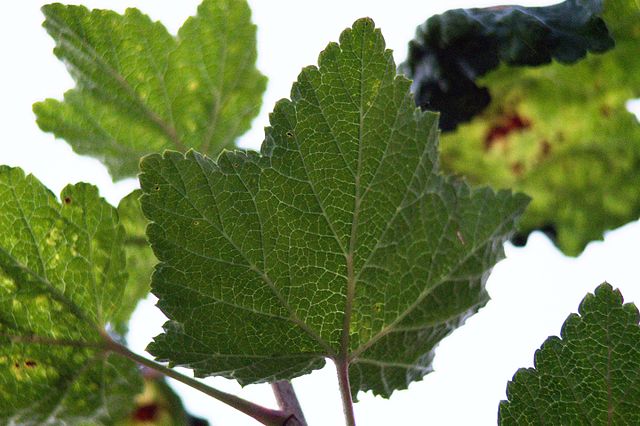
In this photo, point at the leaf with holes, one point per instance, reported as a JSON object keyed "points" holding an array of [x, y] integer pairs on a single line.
{"points": [[141, 90], [563, 135], [341, 239], [590, 375], [62, 274]]}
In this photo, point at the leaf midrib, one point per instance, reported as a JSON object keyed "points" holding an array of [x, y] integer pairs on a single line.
{"points": [[610, 403], [351, 275]]}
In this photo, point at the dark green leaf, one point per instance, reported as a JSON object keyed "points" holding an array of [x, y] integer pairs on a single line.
{"points": [[62, 274], [590, 375], [452, 50], [140, 90], [562, 134], [341, 238]]}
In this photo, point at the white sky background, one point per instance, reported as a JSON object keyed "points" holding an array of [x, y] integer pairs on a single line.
{"points": [[532, 291]]}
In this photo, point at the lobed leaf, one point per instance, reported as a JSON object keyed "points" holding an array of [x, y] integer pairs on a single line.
{"points": [[62, 275], [589, 375], [141, 90], [341, 239]]}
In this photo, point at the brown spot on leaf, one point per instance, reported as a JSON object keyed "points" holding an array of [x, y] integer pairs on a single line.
{"points": [[545, 149], [67, 200], [503, 127], [289, 134], [30, 363], [517, 168], [146, 413]]}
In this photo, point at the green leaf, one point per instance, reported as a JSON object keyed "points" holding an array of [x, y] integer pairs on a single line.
{"points": [[340, 239], [141, 90], [454, 49], [140, 258], [62, 273], [590, 375], [562, 134]]}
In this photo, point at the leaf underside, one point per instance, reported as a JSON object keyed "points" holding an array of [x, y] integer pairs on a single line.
{"points": [[590, 375], [340, 239], [140, 90], [61, 280], [561, 133]]}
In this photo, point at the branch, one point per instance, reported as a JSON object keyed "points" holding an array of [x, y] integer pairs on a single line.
{"points": [[288, 402], [264, 415]]}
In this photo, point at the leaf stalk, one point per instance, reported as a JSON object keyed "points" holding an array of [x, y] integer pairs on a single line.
{"points": [[264, 415], [288, 402], [342, 366]]}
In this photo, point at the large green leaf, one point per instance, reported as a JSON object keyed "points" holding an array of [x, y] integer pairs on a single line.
{"points": [[591, 375], [62, 275], [340, 239], [140, 90], [140, 258], [563, 135]]}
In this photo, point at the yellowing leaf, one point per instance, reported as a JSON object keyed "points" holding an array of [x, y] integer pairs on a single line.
{"points": [[62, 275], [560, 133]]}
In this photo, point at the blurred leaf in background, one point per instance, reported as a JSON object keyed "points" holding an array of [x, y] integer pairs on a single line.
{"points": [[141, 90], [140, 259], [559, 132]]}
